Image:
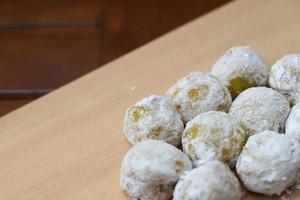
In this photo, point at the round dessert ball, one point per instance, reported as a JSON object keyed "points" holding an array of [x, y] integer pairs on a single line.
{"points": [[214, 135], [285, 77], [260, 109], [151, 169], [198, 93], [269, 163], [210, 181], [153, 117], [241, 68], [292, 127]]}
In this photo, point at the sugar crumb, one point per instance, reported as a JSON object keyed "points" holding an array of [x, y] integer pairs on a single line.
{"points": [[132, 88]]}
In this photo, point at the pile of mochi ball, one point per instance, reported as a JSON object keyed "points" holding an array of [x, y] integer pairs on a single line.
{"points": [[241, 117]]}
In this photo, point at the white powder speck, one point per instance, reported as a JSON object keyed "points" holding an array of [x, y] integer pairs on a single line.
{"points": [[132, 88]]}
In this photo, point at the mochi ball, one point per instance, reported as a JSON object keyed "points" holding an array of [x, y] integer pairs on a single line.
{"points": [[210, 181], [261, 108], [151, 169], [285, 77], [214, 135], [269, 163], [292, 126], [198, 93], [154, 117], [241, 68]]}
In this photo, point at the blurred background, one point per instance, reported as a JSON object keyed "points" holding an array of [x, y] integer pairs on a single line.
{"points": [[45, 44]]}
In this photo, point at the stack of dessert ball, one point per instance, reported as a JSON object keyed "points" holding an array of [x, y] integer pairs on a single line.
{"points": [[188, 143]]}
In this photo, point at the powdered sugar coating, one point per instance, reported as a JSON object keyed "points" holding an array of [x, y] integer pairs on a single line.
{"points": [[153, 117], [285, 77], [269, 163], [214, 135], [198, 93], [151, 169], [260, 109], [210, 181], [241, 68], [292, 126]]}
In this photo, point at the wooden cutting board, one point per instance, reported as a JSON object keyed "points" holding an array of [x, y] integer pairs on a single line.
{"points": [[69, 144]]}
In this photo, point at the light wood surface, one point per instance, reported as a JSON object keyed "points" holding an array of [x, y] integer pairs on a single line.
{"points": [[69, 144]]}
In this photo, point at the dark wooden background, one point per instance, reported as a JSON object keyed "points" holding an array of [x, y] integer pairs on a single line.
{"points": [[45, 44]]}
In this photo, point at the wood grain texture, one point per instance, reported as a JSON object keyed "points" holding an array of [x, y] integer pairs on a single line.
{"points": [[50, 11], [131, 23], [47, 57], [69, 144], [25, 25]]}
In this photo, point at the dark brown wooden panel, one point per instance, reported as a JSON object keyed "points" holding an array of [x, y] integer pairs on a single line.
{"points": [[45, 44], [47, 58], [49, 11], [10, 105], [132, 23]]}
